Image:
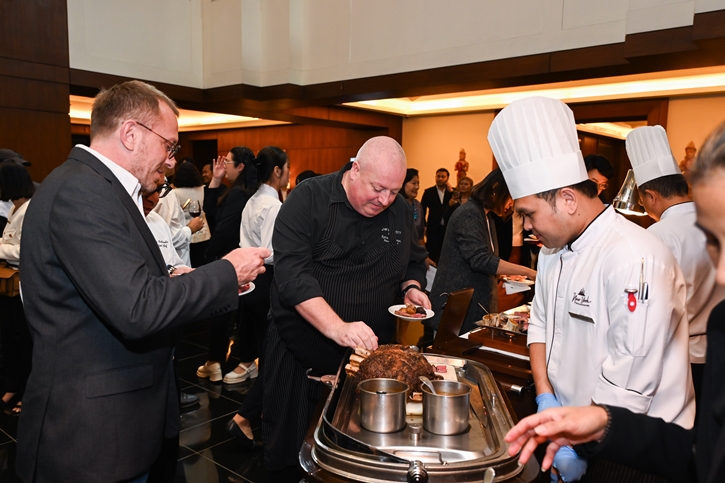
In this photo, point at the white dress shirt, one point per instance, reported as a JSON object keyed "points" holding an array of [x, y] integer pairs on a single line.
{"points": [[161, 232], [258, 220], [596, 348], [10, 246], [129, 181], [170, 210], [686, 241]]}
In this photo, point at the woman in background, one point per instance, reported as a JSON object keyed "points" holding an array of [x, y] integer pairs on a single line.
{"points": [[256, 230], [460, 196], [410, 188], [238, 168], [469, 257], [188, 185], [17, 346]]}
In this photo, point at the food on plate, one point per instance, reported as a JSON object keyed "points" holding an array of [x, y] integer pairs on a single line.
{"points": [[516, 278], [411, 310], [244, 288], [392, 361]]}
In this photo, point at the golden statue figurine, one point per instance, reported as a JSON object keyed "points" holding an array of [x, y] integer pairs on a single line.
{"points": [[686, 163], [462, 165]]}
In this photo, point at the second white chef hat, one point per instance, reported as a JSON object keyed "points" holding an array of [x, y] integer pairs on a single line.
{"points": [[535, 144], [649, 152]]}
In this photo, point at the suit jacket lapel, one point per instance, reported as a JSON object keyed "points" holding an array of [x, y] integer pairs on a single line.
{"points": [[87, 158]]}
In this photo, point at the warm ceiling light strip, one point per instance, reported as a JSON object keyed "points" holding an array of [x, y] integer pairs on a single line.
{"points": [[697, 84]]}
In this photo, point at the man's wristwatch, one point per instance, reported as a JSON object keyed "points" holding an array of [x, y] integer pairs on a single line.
{"points": [[409, 288]]}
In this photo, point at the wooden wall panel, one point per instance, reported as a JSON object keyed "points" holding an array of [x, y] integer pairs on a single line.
{"points": [[34, 82], [43, 138], [319, 148], [34, 31]]}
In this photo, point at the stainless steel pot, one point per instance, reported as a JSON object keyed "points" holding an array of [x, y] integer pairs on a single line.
{"points": [[447, 412], [382, 405]]}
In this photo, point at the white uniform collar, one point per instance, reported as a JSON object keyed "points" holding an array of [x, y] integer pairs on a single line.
{"points": [[129, 181], [678, 209], [594, 231], [266, 190]]}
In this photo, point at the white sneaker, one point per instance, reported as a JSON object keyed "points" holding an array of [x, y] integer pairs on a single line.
{"points": [[213, 371], [248, 373]]}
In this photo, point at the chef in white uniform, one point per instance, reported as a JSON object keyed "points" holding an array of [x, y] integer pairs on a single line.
{"points": [[170, 210], [608, 322], [664, 193]]}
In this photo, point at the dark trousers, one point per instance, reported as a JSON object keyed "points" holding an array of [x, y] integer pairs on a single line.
{"points": [[219, 336], [17, 346], [256, 309], [196, 253]]}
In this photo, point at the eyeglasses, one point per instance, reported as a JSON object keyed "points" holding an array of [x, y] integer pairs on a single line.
{"points": [[171, 147], [164, 189], [601, 186]]}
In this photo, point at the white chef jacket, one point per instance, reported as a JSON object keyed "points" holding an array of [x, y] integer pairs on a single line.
{"points": [[10, 246], [258, 219], [197, 193], [170, 210], [686, 241], [596, 349], [162, 234]]}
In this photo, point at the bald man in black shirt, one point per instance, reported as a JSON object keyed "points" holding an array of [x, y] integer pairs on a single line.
{"points": [[344, 249]]}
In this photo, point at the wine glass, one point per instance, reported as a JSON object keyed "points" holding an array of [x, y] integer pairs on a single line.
{"points": [[195, 208]]}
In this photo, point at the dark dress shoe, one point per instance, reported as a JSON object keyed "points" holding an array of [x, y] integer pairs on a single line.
{"points": [[188, 400], [250, 444]]}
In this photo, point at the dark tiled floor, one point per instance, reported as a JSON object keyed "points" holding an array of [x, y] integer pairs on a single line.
{"points": [[207, 453]]}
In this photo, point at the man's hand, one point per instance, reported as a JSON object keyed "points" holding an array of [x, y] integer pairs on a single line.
{"points": [[354, 334], [196, 224], [562, 426], [248, 262], [417, 297]]}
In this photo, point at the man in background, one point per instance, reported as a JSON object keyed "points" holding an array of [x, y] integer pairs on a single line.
{"points": [[600, 171], [434, 202], [663, 191], [101, 306]]}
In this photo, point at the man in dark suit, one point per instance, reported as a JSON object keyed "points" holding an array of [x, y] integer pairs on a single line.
{"points": [[102, 308], [434, 202]]}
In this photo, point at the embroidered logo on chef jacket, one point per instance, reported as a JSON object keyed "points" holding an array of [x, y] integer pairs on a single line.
{"points": [[162, 244], [581, 299], [580, 307], [398, 234], [385, 235]]}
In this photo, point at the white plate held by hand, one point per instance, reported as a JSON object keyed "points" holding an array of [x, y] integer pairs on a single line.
{"points": [[428, 313], [250, 289]]}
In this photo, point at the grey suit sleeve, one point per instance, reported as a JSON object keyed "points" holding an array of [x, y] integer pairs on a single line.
{"points": [[105, 256]]}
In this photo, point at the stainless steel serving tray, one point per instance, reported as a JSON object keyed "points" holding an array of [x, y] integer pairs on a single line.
{"points": [[342, 447]]}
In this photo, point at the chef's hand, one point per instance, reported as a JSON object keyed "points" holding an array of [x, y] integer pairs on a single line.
{"points": [[546, 400], [355, 334], [561, 426], [248, 262], [195, 224], [570, 466], [417, 297]]}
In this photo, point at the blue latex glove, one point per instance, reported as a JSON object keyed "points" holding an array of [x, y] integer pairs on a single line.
{"points": [[546, 401], [570, 465]]}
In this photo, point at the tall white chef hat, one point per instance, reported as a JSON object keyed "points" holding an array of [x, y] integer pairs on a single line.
{"points": [[649, 152], [536, 146]]}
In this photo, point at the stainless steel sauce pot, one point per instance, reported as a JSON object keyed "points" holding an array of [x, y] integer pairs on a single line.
{"points": [[447, 412], [382, 405]]}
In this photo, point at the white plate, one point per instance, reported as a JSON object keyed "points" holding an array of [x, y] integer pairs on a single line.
{"points": [[428, 313], [251, 288], [526, 282]]}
